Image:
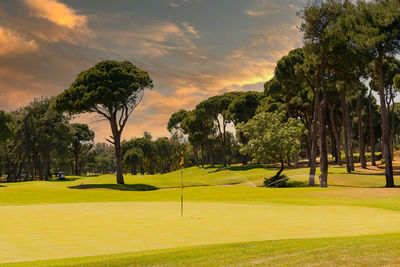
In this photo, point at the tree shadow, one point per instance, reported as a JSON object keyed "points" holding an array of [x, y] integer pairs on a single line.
{"points": [[120, 187], [290, 184], [240, 168], [70, 179], [296, 184]]}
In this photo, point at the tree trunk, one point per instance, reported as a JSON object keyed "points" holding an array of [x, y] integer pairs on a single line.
{"points": [[46, 165], [118, 155], [361, 134], [281, 169], [196, 156], [385, 127], [202, 156], [314, 135], [223, 153], [346, 126], [322, 132], [371, 130], [210, 151], [308, 145], [392, 131], [352, 155], [134, 169], [296, 161], [76, 162], [335, 133]]}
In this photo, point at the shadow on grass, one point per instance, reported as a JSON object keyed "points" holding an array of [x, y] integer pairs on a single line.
{"points": [[120, 187], [240, 168], [2, 186], [297, 184], [69, 179], [290, 184]]}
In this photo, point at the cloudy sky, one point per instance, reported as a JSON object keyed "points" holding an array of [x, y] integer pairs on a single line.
{"points": [[192, 49]]}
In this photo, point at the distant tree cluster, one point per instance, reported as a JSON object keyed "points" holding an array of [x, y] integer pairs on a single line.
{"points": [[206, 126], [38, 141], [145, 155]]}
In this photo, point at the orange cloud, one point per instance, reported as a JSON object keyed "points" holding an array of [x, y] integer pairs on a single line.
{"points": [[13, 43], [57, 13]]}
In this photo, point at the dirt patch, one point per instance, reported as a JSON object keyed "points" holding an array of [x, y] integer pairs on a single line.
{"points": [[361, 193]]}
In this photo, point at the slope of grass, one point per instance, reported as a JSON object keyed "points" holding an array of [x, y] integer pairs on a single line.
{"points": [[379, 250], [360, 188]]}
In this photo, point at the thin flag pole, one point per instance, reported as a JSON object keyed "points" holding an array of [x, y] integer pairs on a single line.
{"points": [[182, 164]]}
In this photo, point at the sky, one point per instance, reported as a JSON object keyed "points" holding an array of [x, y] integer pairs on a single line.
{"points": [[192, 49]]}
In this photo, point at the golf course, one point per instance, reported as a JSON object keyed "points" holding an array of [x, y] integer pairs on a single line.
{"points": [[199, 133], [91, 221]]}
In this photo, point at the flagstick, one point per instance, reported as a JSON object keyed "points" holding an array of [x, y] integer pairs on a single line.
{"points": [[181, 191]]}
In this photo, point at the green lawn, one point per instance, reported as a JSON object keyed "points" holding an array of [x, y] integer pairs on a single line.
{"points": [[377, 250], [92, 216]]}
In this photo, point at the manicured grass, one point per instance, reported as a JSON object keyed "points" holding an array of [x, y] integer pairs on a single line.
{"points": [[379, 250], [71, 230], [103, 188], [87, 216]]}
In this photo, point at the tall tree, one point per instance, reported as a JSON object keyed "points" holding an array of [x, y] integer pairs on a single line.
{"points": [[6, 126], [111, 89], [318, 19], [133, 157], [376, 29], [242, 109], [81, 134], [361, 143], [217, 108]]}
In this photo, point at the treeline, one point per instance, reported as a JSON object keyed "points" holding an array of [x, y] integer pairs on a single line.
{"points": [[327, 87], [38, 142]]}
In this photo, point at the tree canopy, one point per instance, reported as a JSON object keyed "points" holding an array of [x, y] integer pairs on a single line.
{"points": [[112, 89]]}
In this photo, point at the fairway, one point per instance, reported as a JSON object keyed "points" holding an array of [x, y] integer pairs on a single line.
{"points": [[85, 229], [95, 218]]}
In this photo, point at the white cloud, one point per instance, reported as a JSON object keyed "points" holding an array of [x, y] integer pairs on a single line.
{"points": [[261, 7]]}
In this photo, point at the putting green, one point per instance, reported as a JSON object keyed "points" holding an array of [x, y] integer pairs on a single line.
{"points": [[72, 230]]}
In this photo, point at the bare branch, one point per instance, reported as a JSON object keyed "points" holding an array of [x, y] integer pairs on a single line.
{"points": [[101, 112], [108, 140]]}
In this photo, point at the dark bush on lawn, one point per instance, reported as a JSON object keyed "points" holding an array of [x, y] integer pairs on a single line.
{"points": [[276, 181]]}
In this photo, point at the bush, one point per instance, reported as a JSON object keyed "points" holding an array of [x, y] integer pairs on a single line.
{"points": [[276, 181], [356, 157]]}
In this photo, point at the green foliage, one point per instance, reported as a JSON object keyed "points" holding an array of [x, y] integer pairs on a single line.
{"points": [[144, 155], [41, 137], [176, 119], [243, 107], [82, 142], [276, 181], [104, 159], [132, 158], [272, 137], [396, 81], [109, 85], [356, 156], [6, 126]]}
